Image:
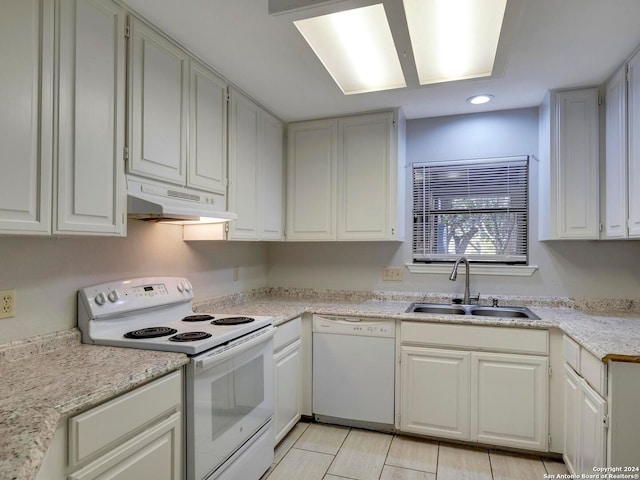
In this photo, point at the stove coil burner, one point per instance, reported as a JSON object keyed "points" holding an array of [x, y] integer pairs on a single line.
{"points": [[233, 321], [197, 318], [151, 332], [189, 337]]}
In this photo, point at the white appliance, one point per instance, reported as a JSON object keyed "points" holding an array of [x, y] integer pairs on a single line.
{"points": [[229, 380], [354, 372]]}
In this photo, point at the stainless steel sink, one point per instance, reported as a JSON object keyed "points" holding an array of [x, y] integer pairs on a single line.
{"points": [[449, 309], [434, 308]]}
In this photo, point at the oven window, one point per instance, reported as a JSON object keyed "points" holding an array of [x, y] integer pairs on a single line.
{"points": [[235, 395]]}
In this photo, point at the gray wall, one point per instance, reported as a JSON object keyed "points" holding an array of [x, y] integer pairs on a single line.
{"points": [[46, 272], [575, 269]]}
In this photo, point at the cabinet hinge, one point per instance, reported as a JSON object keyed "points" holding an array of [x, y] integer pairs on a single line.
{"points": [[549, 371], [127, 31], [605, 421], [125, 153]]}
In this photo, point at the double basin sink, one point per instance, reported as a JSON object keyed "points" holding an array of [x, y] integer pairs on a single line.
{"points": [[485, 311]]}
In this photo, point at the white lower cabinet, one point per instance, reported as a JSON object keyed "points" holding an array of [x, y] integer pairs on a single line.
{"points": [[287, 377], [491, 398], [134, 436], [442, 411], [585, 428], [509, 400]]}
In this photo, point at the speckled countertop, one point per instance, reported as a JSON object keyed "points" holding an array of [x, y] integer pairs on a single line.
{"points": [[609, 336], [48, 378], [51, 377]]}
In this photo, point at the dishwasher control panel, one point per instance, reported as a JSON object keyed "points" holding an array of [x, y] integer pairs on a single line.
{"points": [[354, 326]]}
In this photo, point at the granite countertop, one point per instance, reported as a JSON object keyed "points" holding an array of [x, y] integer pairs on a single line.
{"points": [[612, 336], [49, 378]]}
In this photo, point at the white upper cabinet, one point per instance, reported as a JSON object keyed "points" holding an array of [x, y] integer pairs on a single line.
{"points": [[26, 116], [89, 194], [78, 188], [568, 169], [622, 161], [367, 178], [311, 184], [158, 104], [207, 167], [346, 178], [616, 212], [256, 164], [271, 202], [634, 145]]}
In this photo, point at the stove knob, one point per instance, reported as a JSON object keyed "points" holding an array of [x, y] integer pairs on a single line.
{"points": [[100, 299], [180, 286], [113, 296]]}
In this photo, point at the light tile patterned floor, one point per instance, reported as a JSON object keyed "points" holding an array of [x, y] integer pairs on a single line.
{"points": [[326, 452]]}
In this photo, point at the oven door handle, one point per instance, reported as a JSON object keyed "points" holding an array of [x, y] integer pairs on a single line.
{"points": [[216, 358]]}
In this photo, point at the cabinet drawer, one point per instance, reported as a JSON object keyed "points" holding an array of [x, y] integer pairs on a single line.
{"points": [[114, 421], [502, 339], [287, 333], [571, 352], [593, 371]]}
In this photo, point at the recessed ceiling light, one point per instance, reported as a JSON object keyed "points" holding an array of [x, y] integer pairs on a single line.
{"points": [[356, 47], [454, 39], [480, 99]]}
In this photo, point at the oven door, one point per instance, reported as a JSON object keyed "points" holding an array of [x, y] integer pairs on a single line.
{"points": [[229, 395]]}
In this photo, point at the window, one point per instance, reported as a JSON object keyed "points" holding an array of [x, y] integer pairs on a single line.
{"points": [[475, 208]]}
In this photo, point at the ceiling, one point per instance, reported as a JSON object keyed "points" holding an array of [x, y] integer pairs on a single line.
{"points": [[546, 44]]}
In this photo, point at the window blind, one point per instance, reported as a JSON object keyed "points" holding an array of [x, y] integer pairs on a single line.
{"points": [[476, 208]]}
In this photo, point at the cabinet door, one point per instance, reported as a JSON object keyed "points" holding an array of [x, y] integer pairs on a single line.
{"points": [[158, 105], [271, 204], [287, 395], [616, 157], [571, 416], [592, 430], [311, 184], [577, 154], [207, 165], [26, 115], [243, 167], [435, 392], [634, 145], [364, 183], [156, 453], [509, 400], [90, 188]]}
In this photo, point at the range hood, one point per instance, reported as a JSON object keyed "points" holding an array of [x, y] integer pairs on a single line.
{"points": [[158, 202]]}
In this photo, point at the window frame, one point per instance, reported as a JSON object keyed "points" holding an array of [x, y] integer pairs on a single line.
{"points": [[420, 258]]}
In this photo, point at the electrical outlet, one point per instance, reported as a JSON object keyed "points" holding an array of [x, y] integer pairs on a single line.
{"points": [[7, 303], [392, 274]]}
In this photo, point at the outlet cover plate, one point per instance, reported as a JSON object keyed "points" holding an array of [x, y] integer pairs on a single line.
{"points": [[7, 303]]}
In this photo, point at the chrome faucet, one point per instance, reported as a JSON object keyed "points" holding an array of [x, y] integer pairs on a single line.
{"points": [[454, 274]]}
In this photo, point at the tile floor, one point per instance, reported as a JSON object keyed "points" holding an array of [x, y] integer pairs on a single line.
{"points": [[326, 452]]}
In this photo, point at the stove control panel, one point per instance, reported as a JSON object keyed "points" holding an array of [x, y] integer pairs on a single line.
{"points": [[134, 294]]}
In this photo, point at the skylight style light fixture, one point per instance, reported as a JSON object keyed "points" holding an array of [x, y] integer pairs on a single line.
{"points": [[356, 47], [454, 39]]}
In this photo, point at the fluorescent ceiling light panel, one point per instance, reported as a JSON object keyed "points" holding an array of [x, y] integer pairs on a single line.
{"points": [[356, 47], [454, 39]]}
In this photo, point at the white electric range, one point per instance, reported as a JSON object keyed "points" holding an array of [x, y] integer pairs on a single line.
{"points": [[229, 380]]}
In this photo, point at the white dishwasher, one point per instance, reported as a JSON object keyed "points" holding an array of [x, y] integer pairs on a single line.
{"points": [[354, 372]]}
